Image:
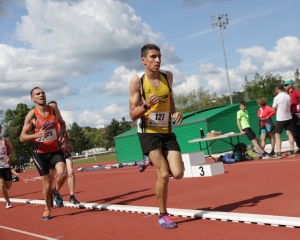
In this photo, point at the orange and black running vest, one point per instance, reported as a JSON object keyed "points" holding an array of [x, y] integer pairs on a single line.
{"points": [[50, 124], [158, 118]]}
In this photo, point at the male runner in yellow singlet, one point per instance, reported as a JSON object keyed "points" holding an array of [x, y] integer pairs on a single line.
{"points": [[152, 104]]}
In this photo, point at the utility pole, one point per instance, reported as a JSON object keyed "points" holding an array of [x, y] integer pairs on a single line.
{"points": [[246, 93], [223, 25]]}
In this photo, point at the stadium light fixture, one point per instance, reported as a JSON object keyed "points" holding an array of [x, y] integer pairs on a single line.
{"points": [[222, 22]]}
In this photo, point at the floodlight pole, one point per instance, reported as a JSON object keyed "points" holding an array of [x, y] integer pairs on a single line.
{"points": [[222, 24]]}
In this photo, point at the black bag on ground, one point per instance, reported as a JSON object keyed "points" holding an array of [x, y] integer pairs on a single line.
{"points": [[239, 151], [220, 159]]}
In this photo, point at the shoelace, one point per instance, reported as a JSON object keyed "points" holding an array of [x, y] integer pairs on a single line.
{"points": [[145, 161]]}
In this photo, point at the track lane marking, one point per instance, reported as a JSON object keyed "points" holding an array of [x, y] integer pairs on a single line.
{"points": [[247, 218], [27, 233]]}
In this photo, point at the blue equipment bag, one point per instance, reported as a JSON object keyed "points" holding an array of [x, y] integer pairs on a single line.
{"points": [[228, 158]]}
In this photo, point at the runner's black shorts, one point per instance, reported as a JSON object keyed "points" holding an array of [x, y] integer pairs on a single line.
{"points": [[152, 141], [250, 134], [280, 125], [6, 174], [46, 161]]}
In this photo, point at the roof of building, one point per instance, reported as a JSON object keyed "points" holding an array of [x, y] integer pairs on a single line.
{"points": [[189, 117]]}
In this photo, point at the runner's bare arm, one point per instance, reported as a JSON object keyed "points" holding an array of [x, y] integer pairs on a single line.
{"points": [[11, 150], [25, 134], [62, 125], [176, 115], [14, 172], [60, 119], [238, 122], [10, 147], [136, 108]]}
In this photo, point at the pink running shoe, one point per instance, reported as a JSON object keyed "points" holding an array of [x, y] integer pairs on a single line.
{"points": [[144, 164], [165, 222]]}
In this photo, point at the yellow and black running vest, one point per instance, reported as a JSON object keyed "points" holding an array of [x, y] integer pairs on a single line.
{"points": [[158, 118]]}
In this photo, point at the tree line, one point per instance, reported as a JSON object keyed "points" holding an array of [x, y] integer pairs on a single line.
{"points": [[82, 138], [262, 85]]}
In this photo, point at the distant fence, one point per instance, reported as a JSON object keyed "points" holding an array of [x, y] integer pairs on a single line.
{"points": [[90, 154]]}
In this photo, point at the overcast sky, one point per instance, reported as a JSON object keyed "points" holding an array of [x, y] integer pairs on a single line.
{"points": [[84, 53]]}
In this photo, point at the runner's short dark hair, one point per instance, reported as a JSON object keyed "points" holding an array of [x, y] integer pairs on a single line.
{"points": [[147, 48], [33, 90], [279, 86], [52, 102]]}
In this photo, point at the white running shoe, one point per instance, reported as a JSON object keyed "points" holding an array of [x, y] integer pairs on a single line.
{"points": [[8, 205]]}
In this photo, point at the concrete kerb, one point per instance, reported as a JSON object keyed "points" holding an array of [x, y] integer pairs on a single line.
{"points": [[284, 221]]}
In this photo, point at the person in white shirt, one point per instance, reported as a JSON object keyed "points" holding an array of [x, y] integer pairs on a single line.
{"points": [[6, 153], [281, 105], [31, 161]]}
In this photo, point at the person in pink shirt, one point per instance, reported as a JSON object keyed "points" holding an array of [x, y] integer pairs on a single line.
{"points": [[266, 124]]}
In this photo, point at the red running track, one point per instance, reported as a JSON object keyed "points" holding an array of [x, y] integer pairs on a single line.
{"points": [[259, 187]]}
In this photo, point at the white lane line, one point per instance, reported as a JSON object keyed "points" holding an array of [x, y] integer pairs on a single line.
{"points": [[285, 221], [27, 233]]}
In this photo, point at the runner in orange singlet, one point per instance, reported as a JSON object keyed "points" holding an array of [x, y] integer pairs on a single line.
{"points": [[45, 120]]}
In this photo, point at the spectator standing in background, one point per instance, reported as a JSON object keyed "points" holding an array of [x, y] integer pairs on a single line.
{"points": [[281, 105], [266, 125], [21, 163], [295, 96], [244, 127], [31, 161]]}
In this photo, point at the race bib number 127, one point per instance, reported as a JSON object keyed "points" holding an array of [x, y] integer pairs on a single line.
{"points": [[158, 119]]}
